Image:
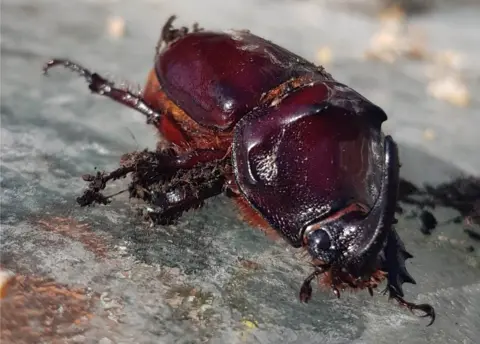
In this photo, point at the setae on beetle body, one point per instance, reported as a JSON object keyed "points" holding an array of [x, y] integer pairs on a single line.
{"points": [[301, 154]]}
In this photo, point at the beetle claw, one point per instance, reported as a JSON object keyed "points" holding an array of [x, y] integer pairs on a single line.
{"points": [[426, 308]]}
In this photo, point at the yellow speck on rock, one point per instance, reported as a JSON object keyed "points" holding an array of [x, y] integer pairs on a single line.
{"points": [[249, 324]]}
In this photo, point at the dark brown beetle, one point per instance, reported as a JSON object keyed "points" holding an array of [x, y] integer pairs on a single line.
{"points": [[300, 153]]}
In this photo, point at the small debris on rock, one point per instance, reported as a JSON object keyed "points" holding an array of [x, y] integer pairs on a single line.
{"points": [[249, 323], [396, 38], [429, 134], [429, 222], [324, 56], [6, 278], [472, 234], [249, 264], [105, 340], [116, 27], [446, 80], [451, 89]]}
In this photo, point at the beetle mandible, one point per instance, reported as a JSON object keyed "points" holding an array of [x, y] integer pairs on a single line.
{"points": [[300, 153]]}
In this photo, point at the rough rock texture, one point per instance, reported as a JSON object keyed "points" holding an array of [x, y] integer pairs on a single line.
{"points": [[99, 275]]}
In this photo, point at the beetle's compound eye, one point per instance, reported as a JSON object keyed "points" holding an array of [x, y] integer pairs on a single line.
{"points": [[319, 245], [319, 240]]}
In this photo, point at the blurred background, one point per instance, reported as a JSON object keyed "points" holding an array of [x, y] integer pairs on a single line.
{"points": [[100, 276]]}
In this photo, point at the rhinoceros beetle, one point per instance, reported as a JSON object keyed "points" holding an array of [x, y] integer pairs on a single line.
{"points": [[300, 153]]}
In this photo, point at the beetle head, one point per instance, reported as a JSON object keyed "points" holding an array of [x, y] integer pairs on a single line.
{"points": [[353, 237]]}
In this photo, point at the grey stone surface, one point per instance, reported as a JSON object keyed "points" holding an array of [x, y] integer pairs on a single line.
{"points": [[53, 130]]}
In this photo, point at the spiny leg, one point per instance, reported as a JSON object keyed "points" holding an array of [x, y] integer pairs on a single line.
{"points": [[99, 85], [182, 193], [425, 308], [155, 167], [166, 198]]}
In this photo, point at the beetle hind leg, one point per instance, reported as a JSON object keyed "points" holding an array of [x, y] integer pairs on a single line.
{"points": [[100, 85]]}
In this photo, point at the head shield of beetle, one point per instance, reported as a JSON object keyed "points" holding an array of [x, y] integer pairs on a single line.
{"points": [[353, 237], [316, 165]]}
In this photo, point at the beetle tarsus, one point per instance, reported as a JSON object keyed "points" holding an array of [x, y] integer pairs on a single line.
{"points": [[425, 308], [306, 288], [97, 183], [99, 85]]}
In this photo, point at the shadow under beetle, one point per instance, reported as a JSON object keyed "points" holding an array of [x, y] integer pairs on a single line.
{"points": [[301, 154]]}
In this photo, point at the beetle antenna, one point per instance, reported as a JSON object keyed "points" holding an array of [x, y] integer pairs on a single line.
{"points": [[104, 87]]}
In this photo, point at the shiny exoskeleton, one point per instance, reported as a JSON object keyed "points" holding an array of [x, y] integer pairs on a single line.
{"points": [[301, 154]]}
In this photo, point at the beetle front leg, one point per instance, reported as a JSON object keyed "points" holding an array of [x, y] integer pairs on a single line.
{"points": [[170, 34], [100, 85], [306, 288], [427, 309]]}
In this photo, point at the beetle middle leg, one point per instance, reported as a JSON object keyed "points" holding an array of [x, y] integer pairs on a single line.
{"points": [[183, 193], [169, 183]]}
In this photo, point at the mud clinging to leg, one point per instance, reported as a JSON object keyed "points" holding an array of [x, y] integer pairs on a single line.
{"points": [[167, 190]]}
